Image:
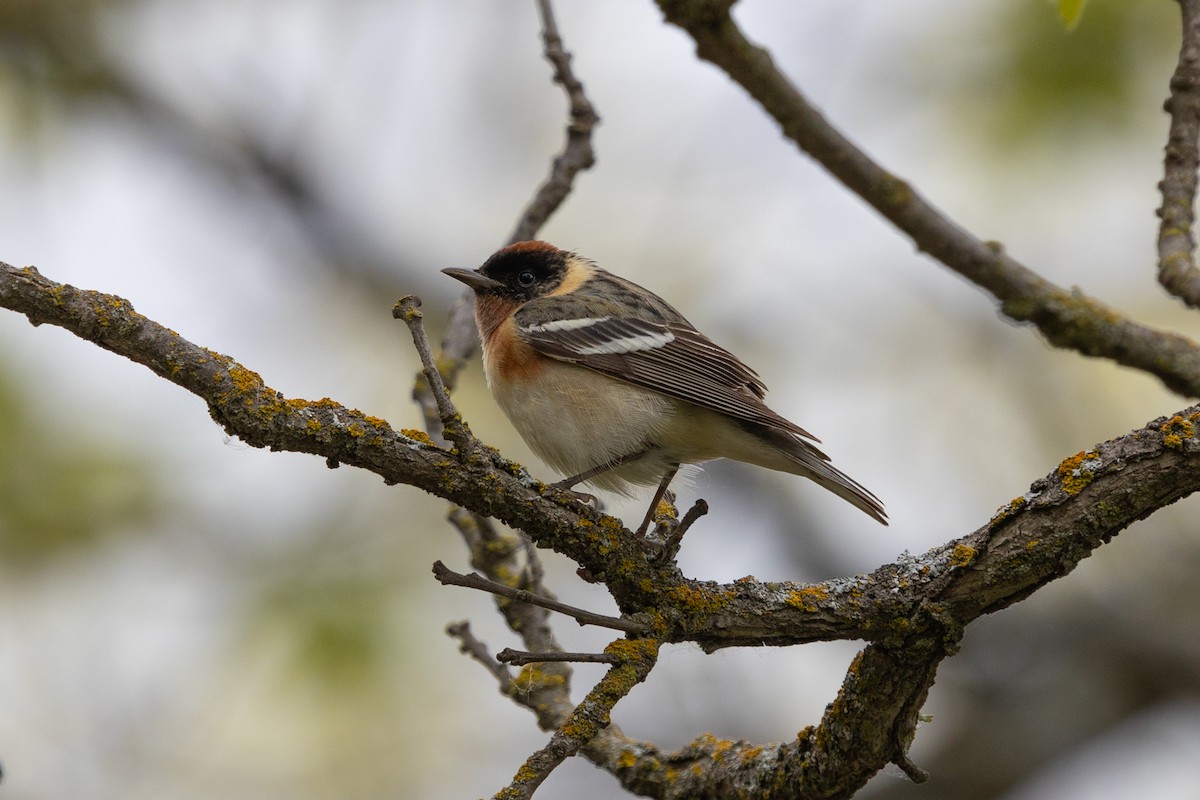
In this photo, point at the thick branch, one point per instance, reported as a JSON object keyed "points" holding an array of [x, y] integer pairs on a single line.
{"points": [[912, 610], [1177, 270], [1040, 536], [1068, 319]]}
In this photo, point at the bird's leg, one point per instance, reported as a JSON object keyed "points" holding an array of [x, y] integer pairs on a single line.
{"points": [[659, 493], [566, 484]]}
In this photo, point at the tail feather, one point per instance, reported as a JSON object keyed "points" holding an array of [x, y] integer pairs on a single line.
{"points": [[803, 458]]}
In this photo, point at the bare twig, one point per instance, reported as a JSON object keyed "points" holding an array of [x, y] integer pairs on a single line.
{"points": [[1068, 319], [474, 581], [698, 510], [577, 154], [1177, 270], [520, 658], [479, 651], [407, 308]]}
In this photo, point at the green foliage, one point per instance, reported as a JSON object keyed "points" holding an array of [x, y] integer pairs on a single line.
{"points": [[1017, 79], [1070, 12], [59, 491], [332, 627]]}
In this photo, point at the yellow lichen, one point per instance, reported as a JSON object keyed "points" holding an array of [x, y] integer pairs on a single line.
{"points": [[1014, 505], [718, 747], [533, 677], [630, 650], [751, 753], [1074, 472], [962, 555], [243, 379], [698, 600], [1175, 430], [808, 598]]}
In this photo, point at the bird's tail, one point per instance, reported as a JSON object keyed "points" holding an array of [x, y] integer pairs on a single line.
{"points": [[803, 458]]}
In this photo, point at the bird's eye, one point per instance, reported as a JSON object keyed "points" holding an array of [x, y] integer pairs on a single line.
{"points": [[526, 279]]}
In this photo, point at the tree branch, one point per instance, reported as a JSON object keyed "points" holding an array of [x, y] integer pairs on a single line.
{"points": [[519, 658], [447, 576], [1068, 319], [1177, 270], [407, 308], [634, 660], [478, 650], [577, 154], [912, 611]]}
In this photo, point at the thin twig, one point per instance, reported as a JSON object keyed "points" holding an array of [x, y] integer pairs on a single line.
{"points": [[577, 155], [909, 767], [698, 510], [475, 581], [519, 658], [1177, 270], [407, 308], [479, 651]]}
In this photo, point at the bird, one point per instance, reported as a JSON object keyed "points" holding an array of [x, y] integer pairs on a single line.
{"points": [[608, 384]]}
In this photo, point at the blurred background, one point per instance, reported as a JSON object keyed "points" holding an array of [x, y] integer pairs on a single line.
{"points": [[183, 616]]}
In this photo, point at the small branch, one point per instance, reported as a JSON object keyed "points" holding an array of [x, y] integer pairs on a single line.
{"points": [[577, 154], [1177, 270], [519, 658], [478, 650], [457, 347], [909, 768], [698, 510], [634, 659], [407, 308], [537, 768], [475, 581]]}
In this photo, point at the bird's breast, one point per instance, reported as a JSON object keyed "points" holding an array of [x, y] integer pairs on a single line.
{"points": [[574, 418]]}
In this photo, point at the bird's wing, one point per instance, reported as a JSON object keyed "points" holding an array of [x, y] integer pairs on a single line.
{"points": [[670, 357]]}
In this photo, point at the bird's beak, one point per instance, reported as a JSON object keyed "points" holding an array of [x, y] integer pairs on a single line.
{"points": [[474, 279]]}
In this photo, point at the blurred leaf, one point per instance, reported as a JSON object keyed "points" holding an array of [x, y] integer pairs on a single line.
{"points": [[59, 490], [1070, 12], [332, 626], [54, 52], [1016, 80]]}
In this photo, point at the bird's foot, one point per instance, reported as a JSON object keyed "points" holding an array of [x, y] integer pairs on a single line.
{"points": [[582, 498]]}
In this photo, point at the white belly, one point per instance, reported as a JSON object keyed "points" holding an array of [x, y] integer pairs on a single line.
{"points": [[573, 420]]}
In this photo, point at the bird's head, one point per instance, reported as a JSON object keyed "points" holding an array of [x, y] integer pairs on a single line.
{"points": [[519, 272]]}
